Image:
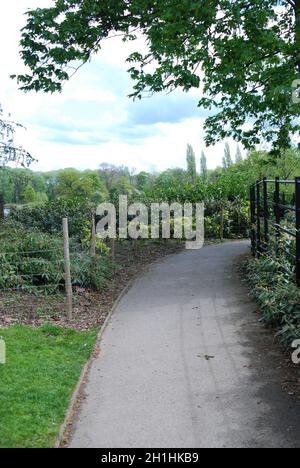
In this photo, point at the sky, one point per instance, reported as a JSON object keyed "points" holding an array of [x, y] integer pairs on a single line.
{"points": [[93, 121]]}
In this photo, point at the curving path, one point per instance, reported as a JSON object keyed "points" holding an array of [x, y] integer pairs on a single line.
{"points": [[184, 363]]}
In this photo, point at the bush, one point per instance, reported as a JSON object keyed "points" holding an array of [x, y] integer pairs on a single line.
{"points": [[29, 259], [33, 261], [92, 272], [235, 219], [273, 286], [48, 218]]}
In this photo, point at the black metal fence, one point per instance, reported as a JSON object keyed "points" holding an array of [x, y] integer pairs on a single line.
{"points": [[275, 220]]}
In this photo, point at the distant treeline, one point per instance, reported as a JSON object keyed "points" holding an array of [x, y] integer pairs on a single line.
{"points": [[195, 183]]}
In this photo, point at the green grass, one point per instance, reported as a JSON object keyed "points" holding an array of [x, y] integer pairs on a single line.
{"points": [[42, 370]]}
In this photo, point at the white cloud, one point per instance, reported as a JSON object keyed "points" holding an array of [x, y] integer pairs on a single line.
{"points": [[93, 120]]}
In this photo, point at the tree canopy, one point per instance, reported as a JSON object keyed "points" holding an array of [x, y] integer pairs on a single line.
{"points": [[245, 52], [9, 151]]}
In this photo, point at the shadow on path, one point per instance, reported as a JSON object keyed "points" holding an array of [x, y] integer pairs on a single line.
{"points": [[185, 363]]}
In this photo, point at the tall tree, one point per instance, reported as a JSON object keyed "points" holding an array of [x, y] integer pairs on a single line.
{"points": [[238, 155], [21, 179], [203, 165], [111, 174], [249, 53], [227, 160], [7, 185], [72, 183], [191, 163], [29, 195]]}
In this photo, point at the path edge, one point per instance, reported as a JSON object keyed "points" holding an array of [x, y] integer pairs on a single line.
{"points": [[62, 438], [74, 402]]}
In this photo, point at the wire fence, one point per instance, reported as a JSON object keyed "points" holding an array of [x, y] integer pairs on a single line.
{"points": [[40, 278], [275, 220], [36, 282]]}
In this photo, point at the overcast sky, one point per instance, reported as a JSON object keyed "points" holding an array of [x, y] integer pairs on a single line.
{"points": [[92, 120]]}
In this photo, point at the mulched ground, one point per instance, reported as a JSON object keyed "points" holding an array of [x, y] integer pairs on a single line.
{"points": [[90, 307]]}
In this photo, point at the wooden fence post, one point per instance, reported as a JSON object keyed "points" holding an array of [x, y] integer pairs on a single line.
{"points": [[113, 248], [93, 235], [69, 291], [222, 223]]}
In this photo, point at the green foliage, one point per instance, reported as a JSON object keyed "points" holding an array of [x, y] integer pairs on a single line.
{"points": [[228, 220], [21, 179], [14, 185], [143, 179], [30, 260], [73, 193], [85, 185], [33, 261], [273, 286], [248, 53], [122, 186], [29, 194], [101, 246], [92, 272], [65, 183], [48, 217], [6, 185], [36, 384], [117, 178], [167, 189]]}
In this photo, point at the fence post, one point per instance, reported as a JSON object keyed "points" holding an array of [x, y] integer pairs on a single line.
{"points": [[277, 210], [252, 218], [69, 292], [222, 222], [93, 235], [113, 248], [258, 233], [266, 213], [297, 190]]}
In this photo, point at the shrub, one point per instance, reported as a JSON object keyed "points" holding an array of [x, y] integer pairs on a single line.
{"points": [[273, 286], [48, 217], [29, 259], [33, 261], [234, 216], [92, 272]]}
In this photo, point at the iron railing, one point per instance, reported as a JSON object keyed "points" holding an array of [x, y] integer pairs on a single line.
{"points": [[275, 218]]}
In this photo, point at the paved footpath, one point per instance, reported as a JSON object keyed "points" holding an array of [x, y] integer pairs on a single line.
{"points": [[184, 363]]}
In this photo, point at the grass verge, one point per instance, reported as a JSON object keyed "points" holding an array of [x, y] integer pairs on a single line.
{"points": [[43, 367]]}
